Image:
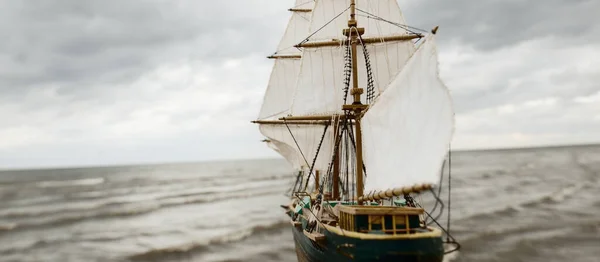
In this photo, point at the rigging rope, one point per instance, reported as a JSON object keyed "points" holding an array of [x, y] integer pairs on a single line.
{"points": [[334, 156], [449, 240], [403, 26], [298, 183], [307, 38], [316, 155], [296, 142], [441, 202], [449, 185], [370, 81], [351, 134], [310, 210], [347, 70], [437, 196], [299, 149]]}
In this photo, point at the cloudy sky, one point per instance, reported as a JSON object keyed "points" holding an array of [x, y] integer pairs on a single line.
{"points": [[113, 82]]}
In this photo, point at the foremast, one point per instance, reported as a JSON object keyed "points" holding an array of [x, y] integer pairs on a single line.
{"points": [[356, 108]]}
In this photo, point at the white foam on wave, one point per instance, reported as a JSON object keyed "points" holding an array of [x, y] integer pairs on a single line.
{"points": [[232, 236]]}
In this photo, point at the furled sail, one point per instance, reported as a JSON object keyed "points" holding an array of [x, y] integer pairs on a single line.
{"points": [[407, 131], [320, 85]]}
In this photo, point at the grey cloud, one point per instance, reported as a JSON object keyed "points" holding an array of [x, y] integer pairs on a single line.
{"points": [[79, 45], [70, 70], [493, 24], [566, 85], [563, 118]]}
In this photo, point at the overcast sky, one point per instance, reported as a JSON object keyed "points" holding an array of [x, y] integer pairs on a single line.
{"points": [[112, 82]]}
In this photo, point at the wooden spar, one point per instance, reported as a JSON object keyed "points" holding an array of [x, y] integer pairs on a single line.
{"points": [[301, 10], [336, 162], [292, 122], [288, 118], [352, 13], [356, 92], [366, 40], [359, 162], [392, 38], [284, 57], [399, 191]]}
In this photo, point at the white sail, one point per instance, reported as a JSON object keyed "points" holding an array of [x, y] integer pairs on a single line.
{"points": [[280, 90], [308, 138], [296, 31], [407, 131], [320, 84], [289, 153], [304, 4], [326, 10], [319, 90]]}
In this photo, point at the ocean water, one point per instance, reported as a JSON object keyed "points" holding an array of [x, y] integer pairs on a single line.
{"points": [[507, 205]]}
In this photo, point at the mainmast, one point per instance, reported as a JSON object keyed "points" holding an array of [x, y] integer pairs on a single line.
{"points": [[299, 100], [356, 107]]}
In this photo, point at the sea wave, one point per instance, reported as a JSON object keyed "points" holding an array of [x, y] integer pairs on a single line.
{"points": [[52, 240], [555, 197], [74, 182], [21, 247], [8, 227], [491, 213], [137, 209], [530, 241], [499, 233], [199, 246], [189, 196]]}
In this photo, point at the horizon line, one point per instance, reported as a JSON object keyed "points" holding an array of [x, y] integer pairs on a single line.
{"points": [[133, 164]]}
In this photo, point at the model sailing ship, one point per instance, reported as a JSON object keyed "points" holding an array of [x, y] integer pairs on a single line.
{"points": [[356, 105]]}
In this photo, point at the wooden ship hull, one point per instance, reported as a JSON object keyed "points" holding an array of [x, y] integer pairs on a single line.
{"points": [[418, 243], [341, 248]]}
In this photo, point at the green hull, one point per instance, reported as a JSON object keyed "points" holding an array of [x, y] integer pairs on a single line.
{"points": [[342, 248]]}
